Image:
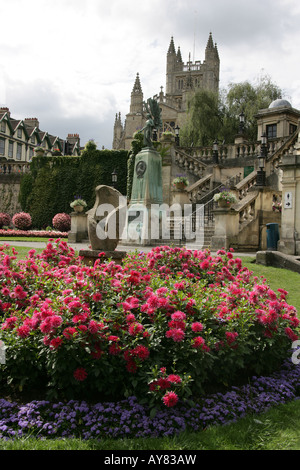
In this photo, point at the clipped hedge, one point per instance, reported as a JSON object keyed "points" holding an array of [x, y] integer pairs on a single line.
{"points": [[54, 181]]}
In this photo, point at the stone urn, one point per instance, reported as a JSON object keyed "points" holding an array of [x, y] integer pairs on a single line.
{"points": [[78, 208], [224, 204], [180, 186]]}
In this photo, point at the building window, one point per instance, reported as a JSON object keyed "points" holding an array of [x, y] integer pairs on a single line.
{"points": [[32, 139], [2, 146], [19, 133], [293, 128], [30, 153], [19, 151], [11, 149], [3, 126], [272, 131]]}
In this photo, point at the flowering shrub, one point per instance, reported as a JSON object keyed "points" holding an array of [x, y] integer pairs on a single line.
{"points": [[167, 325], [5, 219], [62, 222], [225, 196], [129, 418], [22, 220], [33, 233]]}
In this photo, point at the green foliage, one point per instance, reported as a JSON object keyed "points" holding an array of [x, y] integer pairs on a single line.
{"points": [[204, 119], [211, 115], [53, 182], [250, 98]]}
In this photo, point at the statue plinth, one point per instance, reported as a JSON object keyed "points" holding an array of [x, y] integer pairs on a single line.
{"points": [[143, 217]]}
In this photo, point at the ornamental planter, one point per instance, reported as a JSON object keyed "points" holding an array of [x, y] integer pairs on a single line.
{"points": [[223, 204], [78, 208], [180, 186]]}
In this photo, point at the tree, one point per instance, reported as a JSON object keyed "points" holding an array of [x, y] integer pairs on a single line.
{"points": [[250, 98], [213, 115], [204, 119]]}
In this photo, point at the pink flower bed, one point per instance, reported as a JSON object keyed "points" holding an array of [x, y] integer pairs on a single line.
{"points": [[162, 326], [33, 233]]}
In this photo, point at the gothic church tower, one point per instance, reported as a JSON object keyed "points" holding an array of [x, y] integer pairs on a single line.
{"points": [[182, 79]]}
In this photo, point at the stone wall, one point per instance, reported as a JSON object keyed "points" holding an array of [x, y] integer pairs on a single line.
{"points": [[9, 193]]}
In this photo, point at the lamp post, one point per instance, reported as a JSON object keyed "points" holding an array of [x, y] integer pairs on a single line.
{"points": [[215, 155], [242, 122], [177, 129], [261, 174], [114, 178]]}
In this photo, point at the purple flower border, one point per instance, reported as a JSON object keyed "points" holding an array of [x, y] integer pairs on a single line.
{"points": [[128, 418]]}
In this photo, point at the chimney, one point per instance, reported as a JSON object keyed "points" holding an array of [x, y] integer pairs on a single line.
{"points": [[32, 122], [73, 139], [4, 110]]}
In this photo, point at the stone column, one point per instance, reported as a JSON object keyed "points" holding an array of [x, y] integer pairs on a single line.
{"points": [[226, 228], [79, 231], [289, 242]]}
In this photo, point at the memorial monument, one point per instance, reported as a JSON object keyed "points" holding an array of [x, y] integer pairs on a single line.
{"points": [[144, 214]]}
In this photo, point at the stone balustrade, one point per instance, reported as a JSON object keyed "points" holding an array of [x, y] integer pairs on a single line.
{"points": [[190, 163], [246, 209], [14, 168], [241, 189], [199, 189]]}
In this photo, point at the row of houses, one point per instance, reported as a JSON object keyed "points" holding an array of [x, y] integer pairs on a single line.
{"points": [[19, 138]]}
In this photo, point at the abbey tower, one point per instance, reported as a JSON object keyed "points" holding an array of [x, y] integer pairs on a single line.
{"points": [[182, 79]]}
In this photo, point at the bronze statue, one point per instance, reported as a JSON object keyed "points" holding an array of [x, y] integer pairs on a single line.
{"points": [[153, 121]]}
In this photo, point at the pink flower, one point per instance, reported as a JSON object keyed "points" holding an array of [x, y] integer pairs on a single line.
{"points": [[170, 399], [231, 337], [289, 332], [177, 334], [135, 328], [173, 378], [178, 316], [80, 374], [196, 326], [55, 343], [198, 342], [23, 331]]}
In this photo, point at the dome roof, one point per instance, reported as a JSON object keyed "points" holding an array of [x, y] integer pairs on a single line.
{"points": [[280, 102]]}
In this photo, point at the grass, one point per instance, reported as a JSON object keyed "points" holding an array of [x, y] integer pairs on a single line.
{"points": [[276, 429]]}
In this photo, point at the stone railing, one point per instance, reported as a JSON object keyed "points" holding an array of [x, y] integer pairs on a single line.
{"points": [[14, 168], [241, 189], [282, 148], [199, 189], [225, 152], [246, 209], [190, 163]]}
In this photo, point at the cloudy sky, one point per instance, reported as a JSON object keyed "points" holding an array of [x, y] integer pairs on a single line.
{"points": [[72, 63]]}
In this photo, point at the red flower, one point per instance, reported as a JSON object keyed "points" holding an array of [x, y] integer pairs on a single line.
{"points": [[177, 334], [55, 343], [170, 399], [196, 326], [231, 337], [135, 328], [173, 378], [23, 331], [80, 374], [289, 332]]}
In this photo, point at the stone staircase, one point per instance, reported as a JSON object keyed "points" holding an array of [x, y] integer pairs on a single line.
{"points": [[180, 236]]}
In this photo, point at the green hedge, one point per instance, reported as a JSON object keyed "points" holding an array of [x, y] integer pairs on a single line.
{"points": [[54, 181]]}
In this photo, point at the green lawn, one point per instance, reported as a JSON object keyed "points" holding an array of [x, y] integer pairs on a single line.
{"points": [[277, 429]]}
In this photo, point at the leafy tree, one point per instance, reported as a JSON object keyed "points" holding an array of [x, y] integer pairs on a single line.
{"points": [[213, 115], [204, 119], [250, 98]]}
